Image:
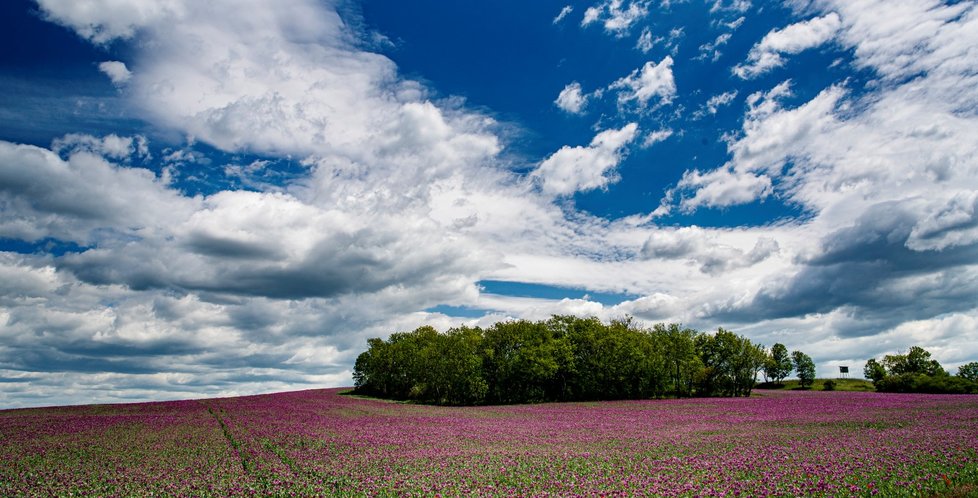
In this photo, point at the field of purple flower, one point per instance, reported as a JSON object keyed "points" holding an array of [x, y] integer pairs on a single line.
{"points": [[322, 443]]}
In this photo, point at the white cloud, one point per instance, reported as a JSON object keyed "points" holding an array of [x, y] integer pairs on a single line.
{"points": [[719, 100], [656, 136], [111, 146], [615, 16], [795, 38], [571, 99], [564, 12], [574, 169], [770, 135], [704, 248], [712, 50], [651, 81], [116, 71], [645, 41], [102, 21], [81, 199], [730, 5], [723, 188]]}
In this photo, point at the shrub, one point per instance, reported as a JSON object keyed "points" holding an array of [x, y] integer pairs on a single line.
{"points": [[829, 385]]}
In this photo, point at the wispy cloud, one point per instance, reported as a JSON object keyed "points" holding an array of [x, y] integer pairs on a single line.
{"points": [[767, 54]]}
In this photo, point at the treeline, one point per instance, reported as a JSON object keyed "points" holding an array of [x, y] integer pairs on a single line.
{"points": [[565, 358], [916, 372]]}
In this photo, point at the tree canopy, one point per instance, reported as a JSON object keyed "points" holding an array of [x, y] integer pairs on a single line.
{"points": [[804, 367], [778, 364], [564, 358], [915, 371]]}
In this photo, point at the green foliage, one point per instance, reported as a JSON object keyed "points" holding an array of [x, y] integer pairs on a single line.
{"points": [[916, 361], [679, 351], [805, 368], [873, 370], [778, 364], [916, 372], [969, 371], [828, 385], [730, 364], [561, 359]]}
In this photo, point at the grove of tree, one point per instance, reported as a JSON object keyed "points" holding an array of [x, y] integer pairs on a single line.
{"points": [[565, 358], [915, 371]]}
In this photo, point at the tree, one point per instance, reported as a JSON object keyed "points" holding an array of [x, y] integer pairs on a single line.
{"points": [[916, 372], [874, 371], [916, 361], [805, 368], [969, 371], [730, 364], [680, 355], [778, 364], [562, 359]]}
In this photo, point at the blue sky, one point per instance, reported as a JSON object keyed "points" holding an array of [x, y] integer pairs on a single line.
{"points": [[222, 199]]}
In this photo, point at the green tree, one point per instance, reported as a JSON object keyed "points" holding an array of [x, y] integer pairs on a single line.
{"points": [[805, 368], [730, 364], [564, 358], [679, 352], [874, 371], [969, 371], [778, 364], [522, 360], [453, 369]]}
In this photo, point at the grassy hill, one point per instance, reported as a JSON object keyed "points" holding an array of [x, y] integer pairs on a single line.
{"points": [[840, 385]]}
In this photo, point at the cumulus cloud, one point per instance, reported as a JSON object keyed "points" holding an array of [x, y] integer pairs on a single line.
{"points": [[82, 199], [102, 21], [578, 169], [116, 71], [651, 81], [656, 136], [768, 53], [770, 135], [616, 16], [704, 248], [111, 146], [571, 99]]}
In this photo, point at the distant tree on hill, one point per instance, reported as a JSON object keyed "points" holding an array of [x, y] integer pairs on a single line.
{"points": [[916, 361], [873, 370], [778, 364], [805, 368], [917, 372]]}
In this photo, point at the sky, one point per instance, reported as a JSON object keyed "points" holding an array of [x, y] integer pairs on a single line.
{"points": [[230, 197]]}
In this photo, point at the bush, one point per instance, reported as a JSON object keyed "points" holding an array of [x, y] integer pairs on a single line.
{"points": [[829, 385]]}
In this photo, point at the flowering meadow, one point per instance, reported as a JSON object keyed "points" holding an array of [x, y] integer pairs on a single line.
{"points": [[325, 443]]}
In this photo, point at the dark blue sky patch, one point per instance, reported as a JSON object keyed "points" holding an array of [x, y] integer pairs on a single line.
{"points": [[49, 246]]}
